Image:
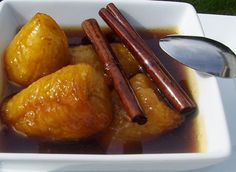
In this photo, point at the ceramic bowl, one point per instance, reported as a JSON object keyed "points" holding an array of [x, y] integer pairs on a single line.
{"points": [[147, 14]]}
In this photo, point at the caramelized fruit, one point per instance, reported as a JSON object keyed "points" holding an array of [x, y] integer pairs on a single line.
{"points": [[38, 49], [86, 54], [161, 118], [70, 104]]}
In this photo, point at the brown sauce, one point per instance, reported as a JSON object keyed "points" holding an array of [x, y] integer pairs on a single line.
{"points": [[181, 140]]}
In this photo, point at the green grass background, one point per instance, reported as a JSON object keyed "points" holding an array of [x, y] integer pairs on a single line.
{"points": [[227, 7]]}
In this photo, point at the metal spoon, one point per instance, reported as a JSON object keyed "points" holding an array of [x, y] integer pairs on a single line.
{"points": [[202, 54]]}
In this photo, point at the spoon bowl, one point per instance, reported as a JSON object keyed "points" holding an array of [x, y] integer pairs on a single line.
{"points": [[202, 54]]}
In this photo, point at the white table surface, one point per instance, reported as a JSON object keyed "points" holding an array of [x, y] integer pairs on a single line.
{"points": [[223, 29]]}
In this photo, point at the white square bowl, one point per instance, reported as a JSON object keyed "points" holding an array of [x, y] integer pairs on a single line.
{"points": [[148, 14]]}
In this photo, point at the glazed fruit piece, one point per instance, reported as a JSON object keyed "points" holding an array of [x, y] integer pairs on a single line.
{"points": [[86, 54], [38, 49], [161, 118], [126, 59], [70, 104]]}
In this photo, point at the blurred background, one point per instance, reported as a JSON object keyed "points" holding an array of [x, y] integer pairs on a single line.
{"points": [[226, 7]]}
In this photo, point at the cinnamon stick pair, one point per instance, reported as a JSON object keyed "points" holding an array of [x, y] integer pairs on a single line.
{"points": [[147, 58], [112, 68]]}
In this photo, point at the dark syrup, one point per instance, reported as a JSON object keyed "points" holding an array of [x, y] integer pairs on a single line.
{"points": [[180, 140]]}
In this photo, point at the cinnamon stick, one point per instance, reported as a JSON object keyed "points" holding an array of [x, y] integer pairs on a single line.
{"points": [[112, 68], [172, 91], [124, 22]]}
